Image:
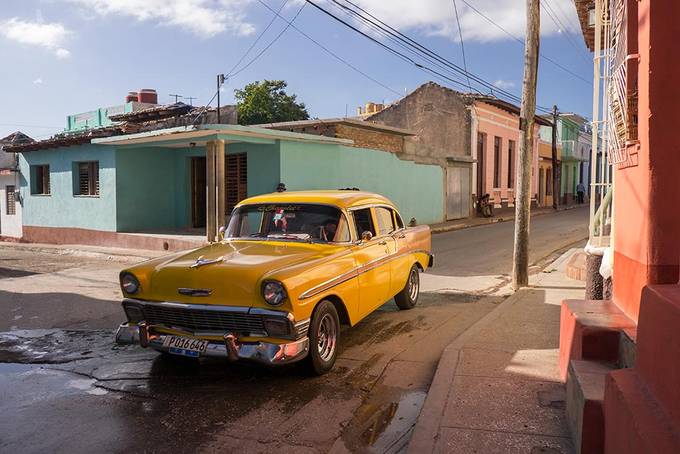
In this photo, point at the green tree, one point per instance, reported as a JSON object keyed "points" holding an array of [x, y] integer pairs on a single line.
{"points": [[267, 102]]}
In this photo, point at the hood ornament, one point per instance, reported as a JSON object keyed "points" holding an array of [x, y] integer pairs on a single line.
{"points": [[201, 261]]}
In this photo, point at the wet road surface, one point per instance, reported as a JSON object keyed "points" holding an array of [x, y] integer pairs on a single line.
{"points": [[64, 387]]}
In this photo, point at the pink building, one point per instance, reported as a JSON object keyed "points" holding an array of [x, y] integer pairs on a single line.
{"points": [[495, 135]]}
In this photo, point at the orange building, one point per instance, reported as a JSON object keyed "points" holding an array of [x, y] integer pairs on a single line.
{"points": [[625, 352]]}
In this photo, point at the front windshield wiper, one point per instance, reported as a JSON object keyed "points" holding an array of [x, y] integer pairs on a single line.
{"points": [[285, 236]]}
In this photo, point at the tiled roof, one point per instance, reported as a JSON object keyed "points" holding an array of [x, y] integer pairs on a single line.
{"points": [[154, 113], [65, 140], [16, 138]]}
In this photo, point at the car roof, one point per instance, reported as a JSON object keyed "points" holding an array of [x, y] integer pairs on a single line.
{"points": [[340, 198]]}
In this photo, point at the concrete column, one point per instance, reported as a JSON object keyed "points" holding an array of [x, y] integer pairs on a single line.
{"points": [[221, 182], [210, 229]]}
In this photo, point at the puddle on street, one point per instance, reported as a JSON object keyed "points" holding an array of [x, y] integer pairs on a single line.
{"points": [[384, 426]]}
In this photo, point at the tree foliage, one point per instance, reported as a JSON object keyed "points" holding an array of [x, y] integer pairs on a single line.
{"points": [[267, 102]]}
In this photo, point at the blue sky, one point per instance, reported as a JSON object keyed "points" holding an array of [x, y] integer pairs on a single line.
{"points": [[68, 56]]}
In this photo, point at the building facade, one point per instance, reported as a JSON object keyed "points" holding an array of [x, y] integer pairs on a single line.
{"points": [[546, 172], [155, 181], [575, 137], [10, 182], [473, 138]]}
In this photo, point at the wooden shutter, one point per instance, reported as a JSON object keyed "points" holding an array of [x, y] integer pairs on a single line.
{"points": [[10, 199], [83, 179], [236, 176], [88, 178]]}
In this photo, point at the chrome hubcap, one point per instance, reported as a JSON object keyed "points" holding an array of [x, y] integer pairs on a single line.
{"points": [[413, 284], [327, 337]]}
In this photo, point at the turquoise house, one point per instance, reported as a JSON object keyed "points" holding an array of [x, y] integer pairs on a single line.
{"points": [[102, 190]]}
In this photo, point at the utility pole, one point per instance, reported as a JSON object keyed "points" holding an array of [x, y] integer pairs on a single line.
{"points": [[555, 165], [520, 263], [220, 81], [191, 99]]}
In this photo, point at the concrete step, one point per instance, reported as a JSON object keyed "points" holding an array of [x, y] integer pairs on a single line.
{"points": [[658, 346], [635, 422], [585, 402], [590, 330]]}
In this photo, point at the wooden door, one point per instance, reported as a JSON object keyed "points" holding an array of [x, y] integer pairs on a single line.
{"points": [[457, 192], [198, 191]]}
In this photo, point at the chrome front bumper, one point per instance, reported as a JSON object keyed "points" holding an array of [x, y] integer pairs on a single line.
{"points": [[230, 348]]}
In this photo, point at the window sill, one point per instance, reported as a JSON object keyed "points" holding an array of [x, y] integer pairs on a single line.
{"points": [[41, 195], [85, 196]]}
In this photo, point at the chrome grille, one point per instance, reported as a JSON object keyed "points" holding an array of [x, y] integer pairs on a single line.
{"points": [[203, 320]]}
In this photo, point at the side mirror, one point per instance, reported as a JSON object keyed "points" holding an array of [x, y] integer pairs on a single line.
{"points": [[221, 232], [366, 236]]}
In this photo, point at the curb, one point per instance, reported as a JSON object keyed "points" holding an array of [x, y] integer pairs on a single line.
{"points": [[119, 256], [461, 226], [426, 430]]}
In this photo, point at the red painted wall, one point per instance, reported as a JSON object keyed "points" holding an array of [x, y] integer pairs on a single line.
{"points": [[647, 200]]}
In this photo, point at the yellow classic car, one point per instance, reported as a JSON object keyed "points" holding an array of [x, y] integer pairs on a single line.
{"points": [[290, 269]]}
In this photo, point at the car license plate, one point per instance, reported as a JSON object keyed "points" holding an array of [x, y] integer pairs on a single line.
{"points": [[185, 346]]}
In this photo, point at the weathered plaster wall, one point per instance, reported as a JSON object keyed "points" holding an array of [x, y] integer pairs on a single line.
{"points": [[61, 208], [417, 189], [439, 118]]}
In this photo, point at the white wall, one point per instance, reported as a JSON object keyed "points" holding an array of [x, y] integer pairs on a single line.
{"points": [[9, 225]]}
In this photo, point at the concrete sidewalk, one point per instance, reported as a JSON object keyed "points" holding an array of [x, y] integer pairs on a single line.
{"points": [[505, 215], [80, 250], [496, 388]]}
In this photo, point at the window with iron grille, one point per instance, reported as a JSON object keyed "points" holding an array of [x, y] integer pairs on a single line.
{"points": [[86, 181], [496, 162], [10, 200], [236, 175], [40, 180]]}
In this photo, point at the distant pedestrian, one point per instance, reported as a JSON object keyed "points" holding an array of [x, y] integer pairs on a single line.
{"points": [[281, 187], [580, 191]]}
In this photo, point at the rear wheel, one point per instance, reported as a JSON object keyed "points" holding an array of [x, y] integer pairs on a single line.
{"points": [[408, 297], [324, 333]]}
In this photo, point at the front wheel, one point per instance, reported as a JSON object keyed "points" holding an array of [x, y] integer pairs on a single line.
{"points": [[324, 334], [408, 297]]}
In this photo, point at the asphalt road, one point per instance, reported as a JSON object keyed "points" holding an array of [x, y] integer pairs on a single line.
{"points": [[65, 388]]}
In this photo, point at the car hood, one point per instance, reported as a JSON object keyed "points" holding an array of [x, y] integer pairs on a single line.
{"points": [[228, 273]]}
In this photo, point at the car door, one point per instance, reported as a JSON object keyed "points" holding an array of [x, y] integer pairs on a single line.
{"points": [[403, 260], [372, 262]]}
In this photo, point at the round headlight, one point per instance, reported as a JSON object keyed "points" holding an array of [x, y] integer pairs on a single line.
{"points": [[273, 293], [129, 283]]}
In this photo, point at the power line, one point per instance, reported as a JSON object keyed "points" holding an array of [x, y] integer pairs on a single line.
{"points": [[381, 31], [420, 48], [257, 39], [329, 52], [556, 20], [546, 58], [462, 44], [276, 38]]}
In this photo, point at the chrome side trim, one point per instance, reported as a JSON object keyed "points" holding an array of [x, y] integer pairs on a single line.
{"points": [[327, 285]]}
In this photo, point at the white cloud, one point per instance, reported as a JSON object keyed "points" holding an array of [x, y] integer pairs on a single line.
{"points": [[204, 18], [38, 81], [51, 36], [437, 17], [504, 84]]}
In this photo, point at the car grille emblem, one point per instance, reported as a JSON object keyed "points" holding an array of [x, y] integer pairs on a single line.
{"points": [[201, 261], [194, 291]]}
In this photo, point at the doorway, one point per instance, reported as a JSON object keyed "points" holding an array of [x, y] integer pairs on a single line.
{"points": [[198, 189]]}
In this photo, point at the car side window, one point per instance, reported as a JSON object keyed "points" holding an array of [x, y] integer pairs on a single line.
{"points": [[363, 221], [385, 221], [399, 221]]}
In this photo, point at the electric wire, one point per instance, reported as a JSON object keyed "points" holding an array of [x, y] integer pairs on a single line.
{"points": [[462, 43], [521, 41], [560, 25], [330, 52], [417, 46], [245, 54]]}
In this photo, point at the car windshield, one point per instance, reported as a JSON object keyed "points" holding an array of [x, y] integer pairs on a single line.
{"points": [[289, 222]]}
